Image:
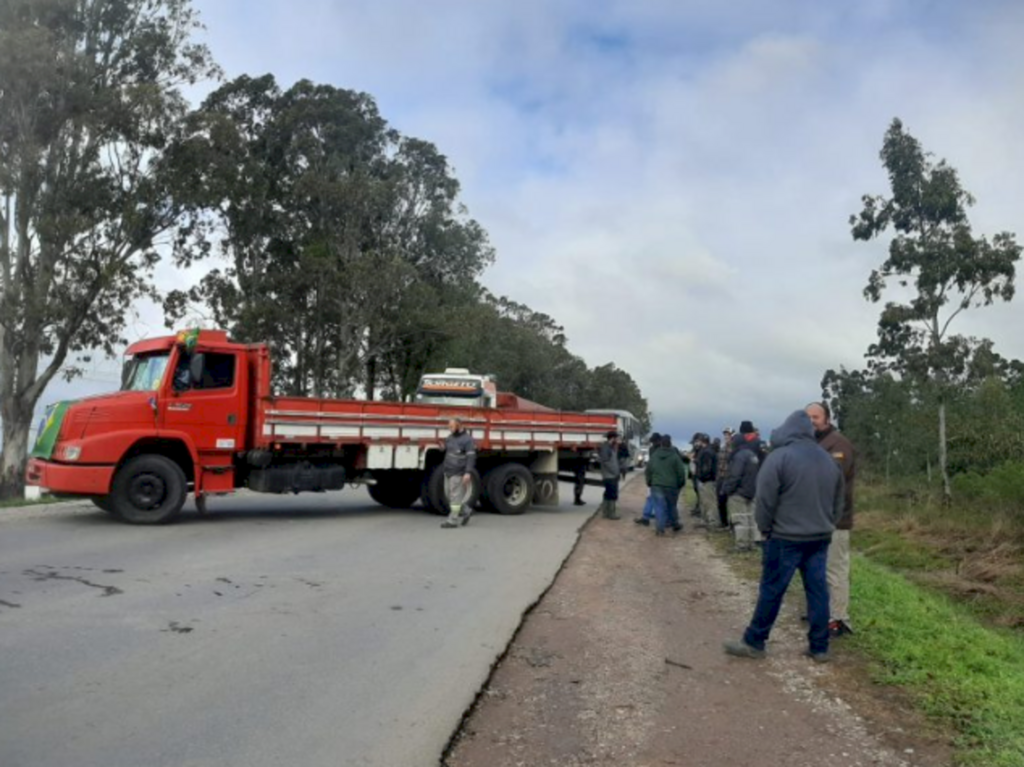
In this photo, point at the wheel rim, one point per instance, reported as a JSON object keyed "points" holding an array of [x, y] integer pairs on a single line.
{"points": [[147, 492], [514, 490]]}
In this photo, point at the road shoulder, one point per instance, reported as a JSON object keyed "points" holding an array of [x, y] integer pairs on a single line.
{"points": [[621, 664]]}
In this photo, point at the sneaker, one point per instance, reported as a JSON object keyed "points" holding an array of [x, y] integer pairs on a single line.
{"points": [[579, 502], [642, 521], [818, 657], [659, 532], [677, 528], [838, 629], [463, 521], [741, 649], [448, 524]]}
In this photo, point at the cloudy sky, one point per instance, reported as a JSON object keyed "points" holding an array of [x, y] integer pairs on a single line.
{"points": [[672, 179]]}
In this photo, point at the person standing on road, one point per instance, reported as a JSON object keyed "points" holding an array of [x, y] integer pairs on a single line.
{"points": [[623, 461], [724, 453], [648, 512], [842, 452], [799, 500], [459, 463], [696, 441], [705, 471], [579, 481], [666, 476], [608, 455], [741, 485]]}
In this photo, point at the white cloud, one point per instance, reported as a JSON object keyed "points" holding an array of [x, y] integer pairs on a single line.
{"points": [[672, 181]]}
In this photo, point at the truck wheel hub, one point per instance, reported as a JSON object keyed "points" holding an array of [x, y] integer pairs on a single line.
{"points": [[147, 491]]}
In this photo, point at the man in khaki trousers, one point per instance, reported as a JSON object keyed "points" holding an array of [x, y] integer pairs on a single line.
{"points": [[841, 449]]}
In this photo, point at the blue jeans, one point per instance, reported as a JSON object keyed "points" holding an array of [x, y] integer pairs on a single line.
{"points": [[665, 512], [649, 506], [780, 561]]}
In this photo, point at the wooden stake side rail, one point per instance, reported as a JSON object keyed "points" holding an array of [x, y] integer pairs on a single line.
{"points": [[311, 421]]}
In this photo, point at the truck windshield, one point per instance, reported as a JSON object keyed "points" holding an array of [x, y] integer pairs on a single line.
{"points": [[145, 372]]}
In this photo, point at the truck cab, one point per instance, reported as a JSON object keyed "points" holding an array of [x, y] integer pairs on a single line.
{"points": [[459, 388]]}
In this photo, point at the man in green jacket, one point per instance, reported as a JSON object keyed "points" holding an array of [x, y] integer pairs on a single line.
{"points": [[666, 477]]}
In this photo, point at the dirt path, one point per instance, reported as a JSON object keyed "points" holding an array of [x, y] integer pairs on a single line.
{"points": [[621, 664]]}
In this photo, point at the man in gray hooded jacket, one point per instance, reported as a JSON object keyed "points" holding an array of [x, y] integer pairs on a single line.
{"points": [[799, 500]]}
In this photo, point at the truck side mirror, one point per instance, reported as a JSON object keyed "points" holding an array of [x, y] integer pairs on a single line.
{"points": [[195, 368]]}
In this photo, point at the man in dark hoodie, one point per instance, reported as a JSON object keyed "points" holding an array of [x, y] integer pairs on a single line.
{"points": [[799, 501], [666, 476], [740, 485]]}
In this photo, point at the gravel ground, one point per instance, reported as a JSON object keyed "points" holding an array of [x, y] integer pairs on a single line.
{"points": [[621, 664]]}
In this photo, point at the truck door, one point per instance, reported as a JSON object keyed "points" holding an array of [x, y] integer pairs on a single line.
{"points": [[206, 400]]}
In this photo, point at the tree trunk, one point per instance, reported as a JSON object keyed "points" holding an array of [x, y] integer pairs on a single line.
{"points": [[16, 428], [947, 493], [371, 377]]}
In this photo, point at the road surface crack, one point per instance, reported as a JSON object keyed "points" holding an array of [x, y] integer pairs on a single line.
{"points": [[53, 575]]}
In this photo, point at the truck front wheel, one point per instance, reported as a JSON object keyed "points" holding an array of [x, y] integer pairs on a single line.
{"points": [[510, 488], [148, 490], [102, 502]]}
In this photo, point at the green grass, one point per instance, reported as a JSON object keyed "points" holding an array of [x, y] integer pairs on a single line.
{"points": [[14, 503], [968, 677]]}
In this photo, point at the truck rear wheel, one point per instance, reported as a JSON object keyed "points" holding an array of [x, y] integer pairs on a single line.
{"points": [[148, 490], [396, 489], [510, 488], [433, 496]]}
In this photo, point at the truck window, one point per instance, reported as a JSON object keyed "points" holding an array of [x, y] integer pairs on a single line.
{"points": [[144, 372], [218, 372]]}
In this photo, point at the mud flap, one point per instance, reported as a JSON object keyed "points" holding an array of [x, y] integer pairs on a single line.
{"points": [[545, 477]]}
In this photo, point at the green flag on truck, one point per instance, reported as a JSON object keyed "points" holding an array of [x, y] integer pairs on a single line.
{"points": [[49, 429]]}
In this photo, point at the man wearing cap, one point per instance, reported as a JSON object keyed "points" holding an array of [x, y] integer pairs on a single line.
{"points": [[705, 470], [608, 455], [666, 476], [740, 485]]}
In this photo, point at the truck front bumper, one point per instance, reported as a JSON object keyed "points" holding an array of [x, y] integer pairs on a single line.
{"points": [[66, 479]]}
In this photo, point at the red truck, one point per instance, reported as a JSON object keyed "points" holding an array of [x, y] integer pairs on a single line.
{"points": [[196, 413]]}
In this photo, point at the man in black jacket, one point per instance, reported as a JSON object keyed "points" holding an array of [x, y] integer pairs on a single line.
{"points": [[705, 470], [799, 501], [741, 484]]}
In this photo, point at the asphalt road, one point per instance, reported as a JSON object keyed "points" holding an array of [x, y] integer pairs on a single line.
{"points": [[310, 630]]}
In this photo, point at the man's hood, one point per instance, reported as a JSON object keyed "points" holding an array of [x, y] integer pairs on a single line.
{"points": [[796, 427]]}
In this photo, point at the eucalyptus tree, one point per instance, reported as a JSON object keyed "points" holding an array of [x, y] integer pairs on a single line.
{"points": [[941, 267], [90, 99]]}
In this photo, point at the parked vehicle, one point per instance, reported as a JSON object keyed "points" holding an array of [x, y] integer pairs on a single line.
{"points": [[196, 414]]}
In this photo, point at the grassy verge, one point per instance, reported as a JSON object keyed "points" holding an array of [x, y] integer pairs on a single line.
{"points": [[938, 604], [969, 551], [966, 676], [15, 503]]}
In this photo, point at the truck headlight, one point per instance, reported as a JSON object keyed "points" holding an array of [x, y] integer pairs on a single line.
{"points": [[71, 453]]}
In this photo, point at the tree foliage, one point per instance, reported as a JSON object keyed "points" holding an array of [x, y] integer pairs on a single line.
{"points": [[337, 229], [943, 269], [89, 101]]}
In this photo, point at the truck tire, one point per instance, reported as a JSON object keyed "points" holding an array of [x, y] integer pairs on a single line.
{"points": [[396, 489], [103, 503], [433, 496], [148, 490], [510, 488]]}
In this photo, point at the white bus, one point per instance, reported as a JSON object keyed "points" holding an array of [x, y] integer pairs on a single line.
{"points": [[631, 431]]}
